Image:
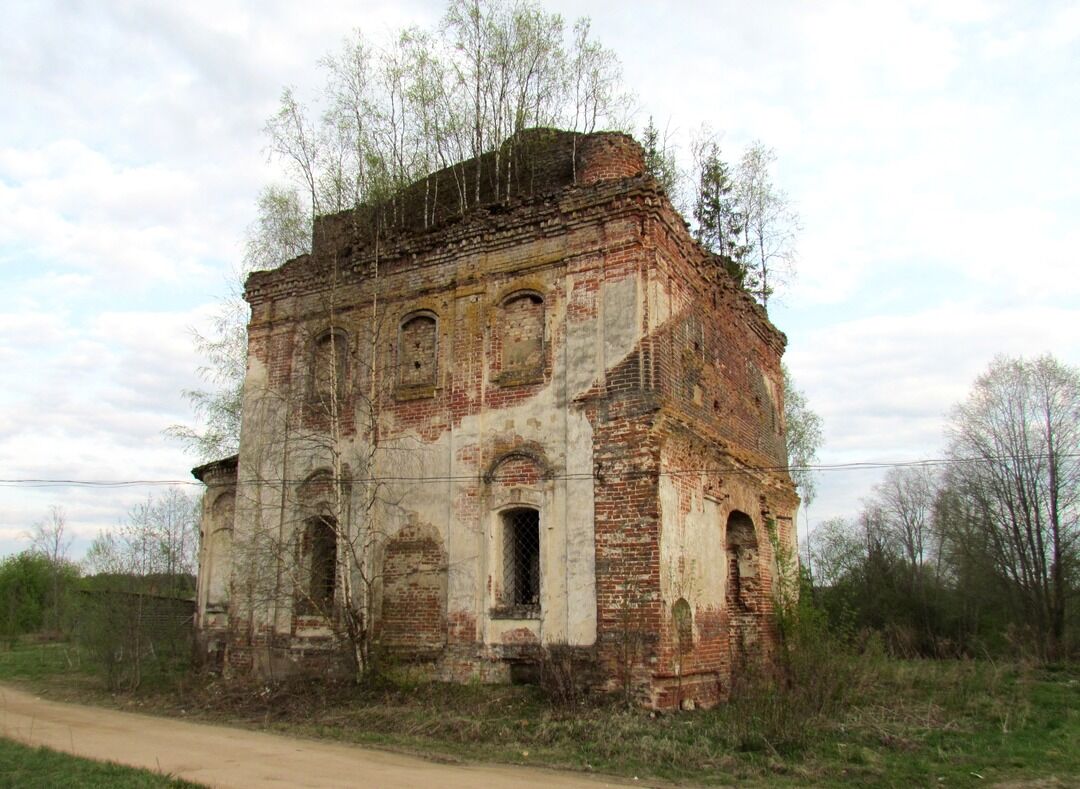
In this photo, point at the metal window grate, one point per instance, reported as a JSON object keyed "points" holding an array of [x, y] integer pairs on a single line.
{"points": [[521, 558], [323, 546]]}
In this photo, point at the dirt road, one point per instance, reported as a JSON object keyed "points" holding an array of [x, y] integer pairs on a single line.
{"points": [[221, 756]]}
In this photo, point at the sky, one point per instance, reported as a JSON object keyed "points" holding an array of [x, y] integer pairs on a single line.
{"points": [[930, 149]]}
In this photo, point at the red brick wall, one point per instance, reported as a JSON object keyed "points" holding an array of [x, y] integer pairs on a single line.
{"points": [[413, 613], [536, 162], [416, 352]]}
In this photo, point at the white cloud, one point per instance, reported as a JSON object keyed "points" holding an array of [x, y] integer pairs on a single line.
{"points": [[884, 385], [131, 227], [90, 403], [930, 148]]}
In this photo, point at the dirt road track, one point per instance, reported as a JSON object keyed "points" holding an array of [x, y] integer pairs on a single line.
{"points": [[225, 757]]}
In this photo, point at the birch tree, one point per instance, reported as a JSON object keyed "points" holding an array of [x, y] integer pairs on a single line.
{"points": [[1016, 446], [51, 539], [388, 115], [280, 232], [770, 224]]}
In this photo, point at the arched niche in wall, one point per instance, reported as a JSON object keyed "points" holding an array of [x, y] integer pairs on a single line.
{"points": [[743, 606], [413, 610], [329, 369], [418, 351], [519, 338], [219, 550]]}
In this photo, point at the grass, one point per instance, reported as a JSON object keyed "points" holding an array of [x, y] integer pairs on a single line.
{"points": [[29, 768], [43, 661], [918, 723], [881, 722]]}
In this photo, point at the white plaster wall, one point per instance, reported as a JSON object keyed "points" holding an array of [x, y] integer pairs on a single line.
{"points": [[693, 558], [700, 535], [621, 319], [220, 565]]}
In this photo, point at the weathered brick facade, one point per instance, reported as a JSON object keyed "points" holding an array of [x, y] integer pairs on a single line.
{"points": [[562, 347]]}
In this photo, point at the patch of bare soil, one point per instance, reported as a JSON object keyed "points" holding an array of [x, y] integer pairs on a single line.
{"points": [[227, 757]]}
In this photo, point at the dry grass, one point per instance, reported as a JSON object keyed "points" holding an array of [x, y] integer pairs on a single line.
{"points": [[863, 720]]}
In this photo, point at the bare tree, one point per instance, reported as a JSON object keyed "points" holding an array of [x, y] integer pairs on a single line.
{"points": [[320, 505], [906, 499], [389, 115], [158, 542], [906, 496], [50, 536], [596, 81], [281, 231], [51, 539], [1016, 446], [294, 139], [837, 550], [133, 620], [770, 224]]}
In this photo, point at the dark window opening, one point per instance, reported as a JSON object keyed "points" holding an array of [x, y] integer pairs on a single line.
{"points": [[521, 560], [322, 546]]}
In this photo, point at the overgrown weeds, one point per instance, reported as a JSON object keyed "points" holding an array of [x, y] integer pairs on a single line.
{"points": [[837, 714]]}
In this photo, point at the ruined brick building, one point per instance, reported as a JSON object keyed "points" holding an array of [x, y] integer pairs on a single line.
{"points": [[550, 418]]}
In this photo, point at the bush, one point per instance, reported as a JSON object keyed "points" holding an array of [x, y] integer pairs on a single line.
{"points": [[818, 673], [133, 636], [566, 673], [35, 594]]}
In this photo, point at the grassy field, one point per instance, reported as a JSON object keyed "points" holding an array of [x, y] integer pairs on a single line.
{"points": [[882, 723], [40, 768]]}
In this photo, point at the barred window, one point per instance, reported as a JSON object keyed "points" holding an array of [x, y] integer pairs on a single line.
{"points": [[521, 560], [321, 539]]}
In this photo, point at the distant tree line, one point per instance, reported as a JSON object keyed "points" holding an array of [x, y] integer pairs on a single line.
{"points": [[125, 604], [981, 554]]}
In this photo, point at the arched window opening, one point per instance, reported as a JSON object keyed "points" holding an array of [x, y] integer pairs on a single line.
{"points": [[742, 549], [321, 543], [328, 367], [417, 351], [521, 561]]}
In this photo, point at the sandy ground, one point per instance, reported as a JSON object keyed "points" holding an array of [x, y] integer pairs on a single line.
{"points": [[221, 756]]}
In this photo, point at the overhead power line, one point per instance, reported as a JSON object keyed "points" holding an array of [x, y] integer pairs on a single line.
{"points": [[600, 473]]}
